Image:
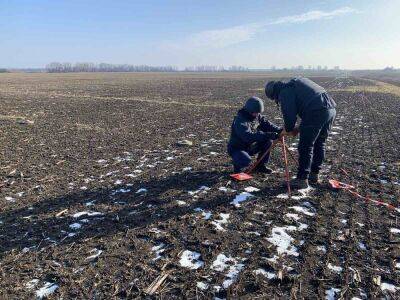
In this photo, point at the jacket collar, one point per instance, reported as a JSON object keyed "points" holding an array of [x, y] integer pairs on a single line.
{"points": [[246, 114]]}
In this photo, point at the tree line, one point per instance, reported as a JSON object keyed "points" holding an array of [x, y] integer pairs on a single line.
{"points": [[57, 67]]}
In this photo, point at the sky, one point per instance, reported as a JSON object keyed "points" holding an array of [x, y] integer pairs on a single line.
{"points": [[352, 34]]}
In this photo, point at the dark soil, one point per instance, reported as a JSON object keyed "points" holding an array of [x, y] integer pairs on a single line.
{"points": [[90, 142]]}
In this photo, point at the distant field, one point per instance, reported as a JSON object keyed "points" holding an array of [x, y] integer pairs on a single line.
{"points": [[98, 200]]}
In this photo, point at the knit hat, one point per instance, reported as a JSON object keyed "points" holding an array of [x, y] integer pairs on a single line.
{"points": [[254, 105]]}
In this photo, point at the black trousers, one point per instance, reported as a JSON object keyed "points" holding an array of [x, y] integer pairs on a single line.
{"points": [[314, 130]]}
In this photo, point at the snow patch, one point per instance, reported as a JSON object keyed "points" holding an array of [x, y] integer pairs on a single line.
{"points": [[191, 260], [292, 216], [86, 213], [336, 269], [251, 189], [48, 289], [234, 266], [268, 275], [203, 190], [202, 285], [96, 253], [226, 190], [75, 226], [330, 294], [385, 286], [283, 241], [223, 220], [158, 250], [31, 284], [302, 210], [240, 198], [362, 246]]}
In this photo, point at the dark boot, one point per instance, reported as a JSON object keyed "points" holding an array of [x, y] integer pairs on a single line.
{"points": [[263, 169], [299, 184], [313, 178]]}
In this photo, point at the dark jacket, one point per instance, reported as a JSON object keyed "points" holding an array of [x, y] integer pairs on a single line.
{"points": [[299, 96], [247, 130]]}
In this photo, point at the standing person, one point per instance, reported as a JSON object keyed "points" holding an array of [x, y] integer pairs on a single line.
{"points": [[304, 98], [251, 134]]}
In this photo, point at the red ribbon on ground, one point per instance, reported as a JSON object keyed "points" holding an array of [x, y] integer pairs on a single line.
{"points": [[347, 187]]}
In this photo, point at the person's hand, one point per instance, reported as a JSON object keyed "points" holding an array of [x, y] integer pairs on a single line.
{"points": [[295, 131], [283, 133]]}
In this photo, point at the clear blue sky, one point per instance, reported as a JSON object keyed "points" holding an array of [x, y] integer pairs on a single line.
{"points": [[352, 34]]}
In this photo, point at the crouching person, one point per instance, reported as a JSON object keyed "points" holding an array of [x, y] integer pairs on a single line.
{"points": [[251, 134]]}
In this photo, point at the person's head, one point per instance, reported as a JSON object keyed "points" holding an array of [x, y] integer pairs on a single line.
{"points": [[254, 106], [272, 89]]}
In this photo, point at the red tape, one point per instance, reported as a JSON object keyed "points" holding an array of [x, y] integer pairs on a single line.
{"points": [[347, 187]]}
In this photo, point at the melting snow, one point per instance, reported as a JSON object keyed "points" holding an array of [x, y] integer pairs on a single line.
{"points": [[321, 248], [388, 286], [283, 241], [293, 216], [394, 230], [75, 226], [202, 285], [158, 250], [10, 199], [362, 246], [203, 189], [304, 193], [226, 190], [96, 253], [31, 284], [181, 203], [336, 269], [142, 190], [90, 203], [303, 210], [187, 169], [206, 215], [191, 260], [46, 290], [121, 191], [330, 294], [224, 220], [84, 213], [251, 189], [240, 198], [265, 273], [223, 262]]}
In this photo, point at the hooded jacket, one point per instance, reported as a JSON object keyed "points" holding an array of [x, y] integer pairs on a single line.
{"points": [[299, 96], [247, 130]]}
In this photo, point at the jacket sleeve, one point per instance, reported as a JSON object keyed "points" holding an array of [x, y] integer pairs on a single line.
{"points": [[287, 99], [268, 126], [244, 132]]}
